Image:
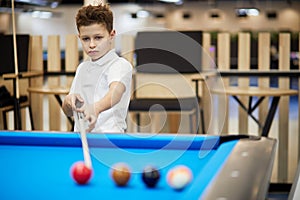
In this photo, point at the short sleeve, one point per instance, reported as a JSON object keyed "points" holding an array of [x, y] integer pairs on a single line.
{"points": [[76, 77], [120, 71]]}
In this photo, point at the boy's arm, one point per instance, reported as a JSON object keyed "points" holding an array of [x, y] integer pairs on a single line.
{"points": [[114, 95], [91, 112]]}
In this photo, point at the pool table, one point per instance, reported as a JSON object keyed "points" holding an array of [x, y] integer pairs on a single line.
{"points": [[294, 193], [36, 165]]}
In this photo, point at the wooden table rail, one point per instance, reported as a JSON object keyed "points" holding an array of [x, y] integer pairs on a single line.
{"points": [[56, 91], [260, 73], [261, 93]]}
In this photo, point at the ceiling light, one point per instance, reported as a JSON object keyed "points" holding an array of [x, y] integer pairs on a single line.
{"points": [[253, 12], [54, 4], [244, 12], [171, 1], [41, 14], [142, 14]]}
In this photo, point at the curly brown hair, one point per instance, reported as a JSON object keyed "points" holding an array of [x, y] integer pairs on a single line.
{"points": [[99, 14]]}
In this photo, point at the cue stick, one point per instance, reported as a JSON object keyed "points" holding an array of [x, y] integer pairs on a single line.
{"points": [[17, 92], [85, 146]]}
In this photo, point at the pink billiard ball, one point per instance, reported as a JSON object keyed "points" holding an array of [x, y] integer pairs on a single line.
{"points": [[81, 173], [179, 177]]}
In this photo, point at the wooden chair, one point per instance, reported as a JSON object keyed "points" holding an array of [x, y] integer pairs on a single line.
{"points": [[162, 80], [7, 104]]}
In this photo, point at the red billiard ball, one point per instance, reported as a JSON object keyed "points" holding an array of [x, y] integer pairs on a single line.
{"points": [[179, 177], [150, 176], [81, 173], [121, 174]]}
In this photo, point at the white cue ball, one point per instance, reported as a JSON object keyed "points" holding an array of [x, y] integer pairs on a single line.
{"points": [[179, 177]]}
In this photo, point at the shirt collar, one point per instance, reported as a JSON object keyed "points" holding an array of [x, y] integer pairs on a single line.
{"points": [[109, 56]]}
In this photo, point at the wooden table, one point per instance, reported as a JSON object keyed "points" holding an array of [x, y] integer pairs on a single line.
{"points": [[56, 91], [261, 93]]}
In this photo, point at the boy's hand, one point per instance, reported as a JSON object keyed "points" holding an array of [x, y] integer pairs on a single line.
{"points": [[76, 101], [69, 103], [89, 114]]}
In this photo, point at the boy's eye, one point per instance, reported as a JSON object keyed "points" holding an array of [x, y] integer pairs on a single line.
{"points": [[98, 37], [85, 39]]}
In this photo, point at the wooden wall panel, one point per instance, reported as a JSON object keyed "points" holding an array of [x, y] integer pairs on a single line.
{"points": [[243, 64], [71, 53], [263, 65], [54, 65], [283, 130], [71, 63], [127, 51], [224, 64], [36, 64], [206, 98]]}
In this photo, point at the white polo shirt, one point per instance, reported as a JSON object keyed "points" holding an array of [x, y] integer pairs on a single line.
{"points": [[92, 80]]}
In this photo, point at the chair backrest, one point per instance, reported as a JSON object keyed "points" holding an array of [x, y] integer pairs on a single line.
{"points": [[7, 64], [168, 51], [165, 60]]}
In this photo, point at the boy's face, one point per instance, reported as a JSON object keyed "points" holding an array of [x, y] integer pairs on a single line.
{"points": [[96, 40]]}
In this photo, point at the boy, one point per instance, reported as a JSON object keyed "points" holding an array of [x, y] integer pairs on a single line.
{"points": [[101, 87]]}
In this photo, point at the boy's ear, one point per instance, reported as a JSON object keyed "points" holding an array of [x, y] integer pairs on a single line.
{"points": [[113, 33]]}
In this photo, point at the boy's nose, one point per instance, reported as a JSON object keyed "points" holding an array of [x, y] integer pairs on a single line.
{"points": [[92, 44]]}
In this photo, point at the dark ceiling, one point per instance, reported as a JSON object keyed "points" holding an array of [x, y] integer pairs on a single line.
{"points": [[72, 2]]}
